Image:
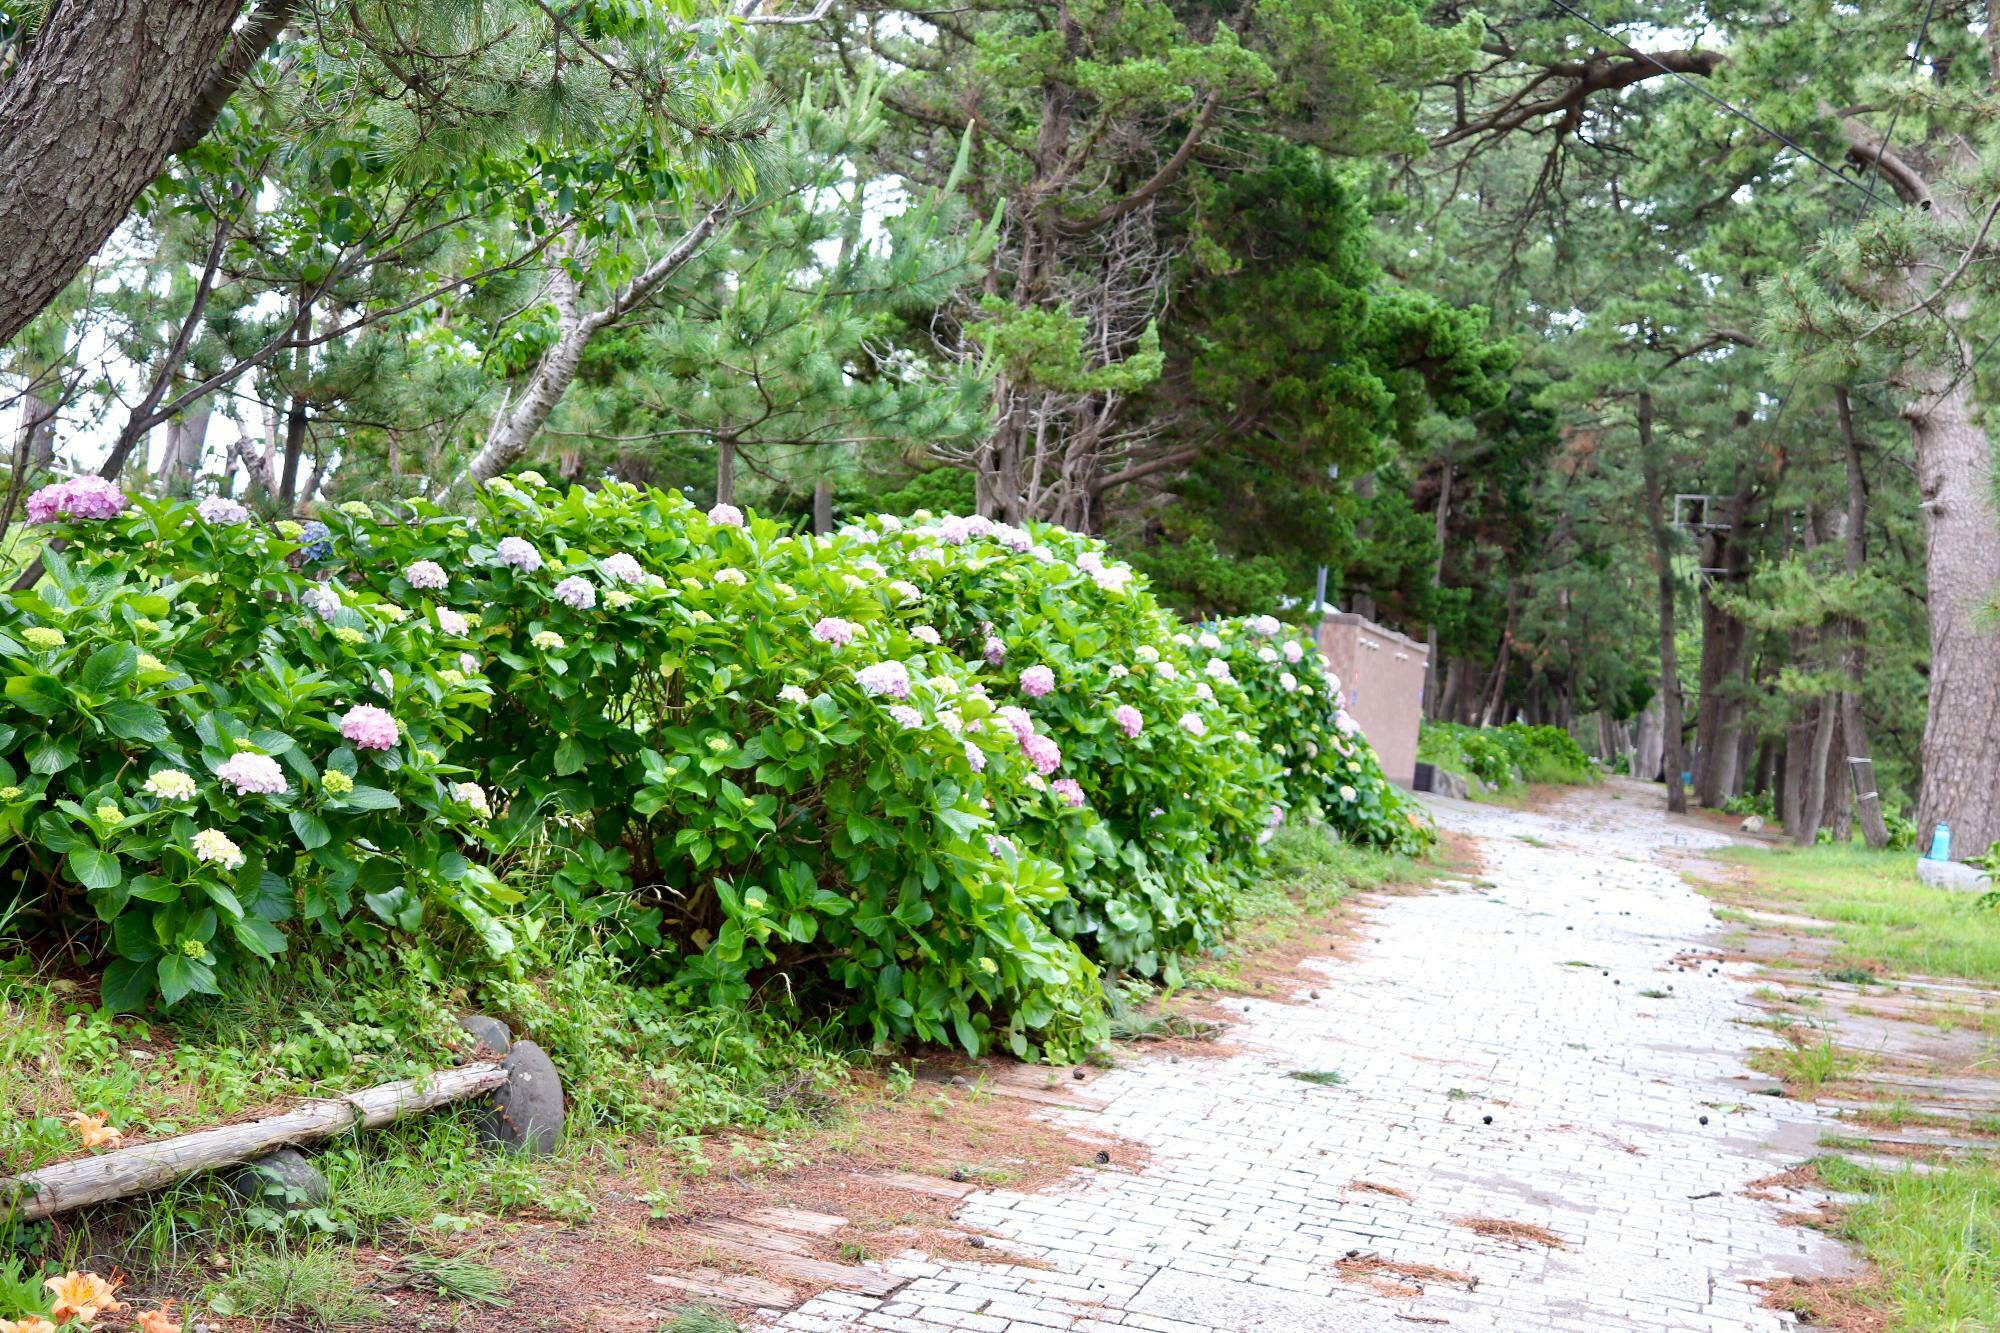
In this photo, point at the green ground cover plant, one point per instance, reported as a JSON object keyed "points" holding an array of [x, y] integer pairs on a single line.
{"points": [[1508, 756]]}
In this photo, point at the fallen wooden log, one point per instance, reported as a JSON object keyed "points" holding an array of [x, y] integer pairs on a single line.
{"points": [[147, 1166]]}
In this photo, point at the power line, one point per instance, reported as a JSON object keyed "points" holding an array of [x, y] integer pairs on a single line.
{"points": [[1916, 54], [1723, 102]]}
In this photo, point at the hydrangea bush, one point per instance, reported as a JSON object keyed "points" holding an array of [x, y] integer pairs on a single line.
{"points": [[1294, 703], [179, 760], [1153, 795], [938, 772]]}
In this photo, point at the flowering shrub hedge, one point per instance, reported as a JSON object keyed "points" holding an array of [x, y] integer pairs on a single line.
{"points": [[1330, 771], [938, 772]]}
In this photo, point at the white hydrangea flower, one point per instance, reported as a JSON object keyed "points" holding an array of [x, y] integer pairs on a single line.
{"points": [[213, 847], [170, 784]]}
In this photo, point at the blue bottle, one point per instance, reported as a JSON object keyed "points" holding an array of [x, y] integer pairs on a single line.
{"points": [[1940, 844]]}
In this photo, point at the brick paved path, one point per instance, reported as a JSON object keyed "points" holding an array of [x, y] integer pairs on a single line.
{"points": [[1459, 1005]]}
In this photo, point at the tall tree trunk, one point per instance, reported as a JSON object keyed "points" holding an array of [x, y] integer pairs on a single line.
{"points": [[1868, 801], [1489, 713], [1798, 757], [180, 462], [89, 118], [1812, 805], [1961, 745], [1653, 468], [1745, 739], [295, 415], [823, 506], [1649, 741], [1718, 711], [1766, 770], [1440, 529], [725, 471], [36, 442]]}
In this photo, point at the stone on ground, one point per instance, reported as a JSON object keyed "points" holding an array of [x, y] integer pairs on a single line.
{"points": [[284, 1180], [527, 1113]]}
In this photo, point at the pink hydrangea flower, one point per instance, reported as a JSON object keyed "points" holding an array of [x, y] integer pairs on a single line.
{"points": [[1070, 790], [426, 574], [519, 553], [905, 716], [1042, 752], [834, 630], [953, 531], [1217, 668], [452, 623], [222, 511], [1192, 724], [623, 568], [978, 525], [1128, 719], [79, 497], [1019, 719], [1037, 681], [1267, 626], [576, 592], [1293, 652], [725, 515], [890, 678], [370, 727], [252, 773], [996, 652], [975, 757], [925, 634], [1012, 537]]}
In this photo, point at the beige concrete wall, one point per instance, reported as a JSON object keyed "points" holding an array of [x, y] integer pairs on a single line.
{"points": [[1382, 684]]}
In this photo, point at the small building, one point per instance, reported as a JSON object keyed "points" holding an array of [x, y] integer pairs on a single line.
{"points": [[1382, 685]]}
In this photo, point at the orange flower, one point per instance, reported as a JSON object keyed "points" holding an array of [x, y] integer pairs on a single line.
{"points": [[94, 1132], [32, 1324], [82, 1296], [158, 1321]]}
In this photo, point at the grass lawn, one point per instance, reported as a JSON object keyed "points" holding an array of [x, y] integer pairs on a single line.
{"points": [[1884, 914], [1934, 1237]]}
